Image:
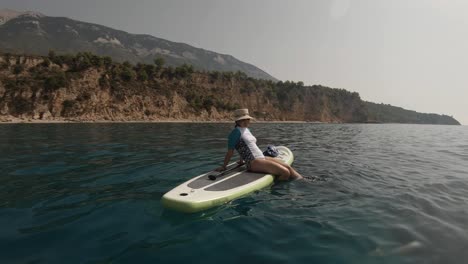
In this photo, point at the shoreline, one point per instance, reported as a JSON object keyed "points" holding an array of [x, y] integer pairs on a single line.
{"points": [[32, 121], [180, 121]]}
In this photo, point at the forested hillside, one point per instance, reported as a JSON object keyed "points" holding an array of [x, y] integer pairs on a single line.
{"points": [[86, 87]]}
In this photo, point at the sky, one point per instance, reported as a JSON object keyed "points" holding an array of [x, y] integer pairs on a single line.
{"points": [[412, 54]]}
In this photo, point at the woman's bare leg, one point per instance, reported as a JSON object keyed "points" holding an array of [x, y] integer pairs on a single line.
{"points": [[294, 174], [268, 166]]}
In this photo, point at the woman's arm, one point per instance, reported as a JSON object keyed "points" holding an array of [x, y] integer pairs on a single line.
{"points": [[227, 158]]}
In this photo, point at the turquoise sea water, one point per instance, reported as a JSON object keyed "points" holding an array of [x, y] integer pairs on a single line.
{"points": [[90, 193]]}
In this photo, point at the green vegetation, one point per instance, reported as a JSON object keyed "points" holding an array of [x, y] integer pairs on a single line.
{"points": [[4, 65], [127, 74], [107, 61], [21, 105], [79, 62], [46, 63], [385, 113], [68, 106], [103, 82], [18, 68], [203, 91], [183, 71], [55, 80], [159, 62]]}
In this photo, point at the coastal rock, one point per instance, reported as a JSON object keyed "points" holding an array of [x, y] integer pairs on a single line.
{"points": [[2, 89], [4, 110], [73, 89], [45, 115]]}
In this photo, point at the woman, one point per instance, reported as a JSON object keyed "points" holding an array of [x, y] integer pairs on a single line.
{"points": [[244, 142]]}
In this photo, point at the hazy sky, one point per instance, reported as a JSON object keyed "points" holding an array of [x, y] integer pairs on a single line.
{"points": [[412, 54]]}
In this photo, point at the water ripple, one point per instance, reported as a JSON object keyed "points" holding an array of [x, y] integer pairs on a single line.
{"points": [[90, 193]]}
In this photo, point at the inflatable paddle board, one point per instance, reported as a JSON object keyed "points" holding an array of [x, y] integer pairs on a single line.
{"points": [[214, 188]]}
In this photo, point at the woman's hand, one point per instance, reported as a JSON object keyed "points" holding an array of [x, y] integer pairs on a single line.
{"points": [[222, 168], [227, 158]]}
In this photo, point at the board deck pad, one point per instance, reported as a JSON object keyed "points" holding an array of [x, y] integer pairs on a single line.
{"points": [[235, 181], [201, 193], [205, 181]]}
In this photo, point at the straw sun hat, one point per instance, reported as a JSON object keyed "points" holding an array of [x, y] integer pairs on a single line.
{"points": [[240, 114]]}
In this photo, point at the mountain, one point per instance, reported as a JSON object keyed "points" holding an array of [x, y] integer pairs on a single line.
{"points": [[385, 113], [35, 33]]}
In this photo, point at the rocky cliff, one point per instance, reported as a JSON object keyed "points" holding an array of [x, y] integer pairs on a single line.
{"points": [[86, 87]]}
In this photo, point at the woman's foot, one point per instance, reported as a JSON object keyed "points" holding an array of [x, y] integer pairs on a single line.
{"points": [[295, 175]]}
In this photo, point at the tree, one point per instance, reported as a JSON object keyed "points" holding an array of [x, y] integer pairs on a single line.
{"points": [[138, 67], [248, 88], [127, 64], [240, 75], [103, 81], [21, 105], [52, 55], [208, 103], [159, 62], [96, 60], [168, 72], [127, 74], [150, 70], [227, 75], [45, 63], [142, 75], [184, 70], [3, 65], [18, 68], [81, 61], [55, 81], [107, 61], [7, 57], [215, 75]]}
